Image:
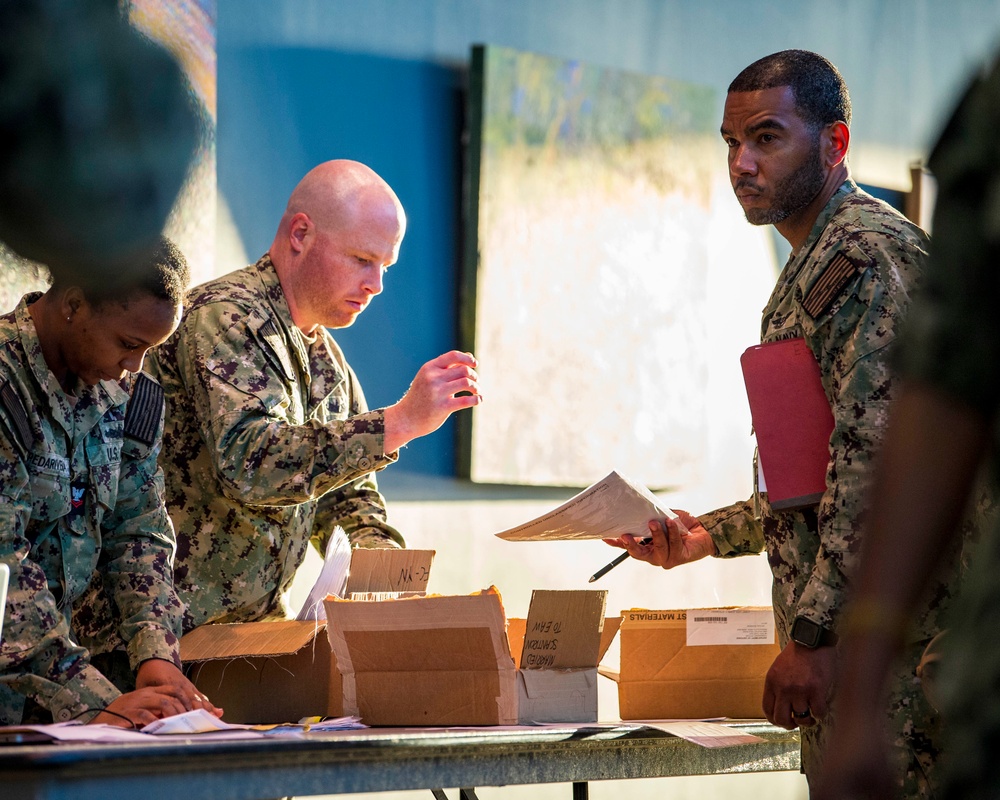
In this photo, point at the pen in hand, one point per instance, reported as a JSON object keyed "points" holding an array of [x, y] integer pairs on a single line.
{"points": [[608, 567]]}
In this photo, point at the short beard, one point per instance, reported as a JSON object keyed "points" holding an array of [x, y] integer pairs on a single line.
{"points": [[793, 192]]}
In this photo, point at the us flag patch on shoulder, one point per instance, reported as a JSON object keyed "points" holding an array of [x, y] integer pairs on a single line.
{"points": [[829, 285], [145, 408], [18, 415]]}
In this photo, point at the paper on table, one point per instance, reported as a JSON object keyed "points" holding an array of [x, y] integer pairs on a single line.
{"points": [[707, 734], [197, 720], [332, 577], [78, 732], [606, 510]]}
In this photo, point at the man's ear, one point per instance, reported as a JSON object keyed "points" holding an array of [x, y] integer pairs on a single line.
{"points": [[300, 228], [836, 139]]}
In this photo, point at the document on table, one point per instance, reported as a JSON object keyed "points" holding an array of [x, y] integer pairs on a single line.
{"points": [[707, 734], [605, 510], [198, 723]]}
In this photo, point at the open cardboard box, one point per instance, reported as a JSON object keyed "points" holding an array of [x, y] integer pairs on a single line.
{"points": [[282, 671], [558, 648], [694, 664], [446, 660]]}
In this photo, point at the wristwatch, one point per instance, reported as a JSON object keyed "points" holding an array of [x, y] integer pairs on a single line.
{"points": [[809, 634]]}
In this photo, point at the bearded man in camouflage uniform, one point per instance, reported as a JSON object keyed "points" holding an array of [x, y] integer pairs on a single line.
{"points": [[844, 289], [268, 441]]}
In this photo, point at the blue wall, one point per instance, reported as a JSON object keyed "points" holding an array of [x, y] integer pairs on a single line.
{"points": [[293, 108], [381, 81]]}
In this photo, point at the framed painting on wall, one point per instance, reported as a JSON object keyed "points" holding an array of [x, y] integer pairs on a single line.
{"points": [[592, 256]]}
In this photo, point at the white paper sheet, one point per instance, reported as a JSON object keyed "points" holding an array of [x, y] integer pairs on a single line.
{"points": [[605, 510], [707, 734], [332, 577]]}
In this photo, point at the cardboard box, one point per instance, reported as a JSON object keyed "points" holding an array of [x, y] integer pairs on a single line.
{"points": [[446, 660], [438, 660], [558, 648], [694, 664], [265, 672], [282, 671]]}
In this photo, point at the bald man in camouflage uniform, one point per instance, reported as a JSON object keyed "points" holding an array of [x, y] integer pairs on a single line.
{"points": [[844, 289], [269, 443]]}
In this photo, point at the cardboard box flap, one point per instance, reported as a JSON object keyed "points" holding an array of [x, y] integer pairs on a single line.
{"points": [[445, 659], [516, 628], [263, 639], [389, 570], [611, 626], [563, 629], [419, 633]]}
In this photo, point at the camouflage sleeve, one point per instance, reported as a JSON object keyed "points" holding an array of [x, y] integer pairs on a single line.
{"points": [[38, 658], [853, 348], [241, 399], [137, 558], [358, 507], [735, 530]]}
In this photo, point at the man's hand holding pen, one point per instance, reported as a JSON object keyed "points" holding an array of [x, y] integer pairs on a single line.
{"points": [[671, 542]]}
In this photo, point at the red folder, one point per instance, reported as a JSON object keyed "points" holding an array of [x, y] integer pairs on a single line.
{"points": [[792, 419]]}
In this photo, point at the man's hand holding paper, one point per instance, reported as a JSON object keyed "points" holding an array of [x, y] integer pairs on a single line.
{"points": [[672, 541]]}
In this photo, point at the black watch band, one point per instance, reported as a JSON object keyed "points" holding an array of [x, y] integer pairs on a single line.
{"points": [[809, 634]]}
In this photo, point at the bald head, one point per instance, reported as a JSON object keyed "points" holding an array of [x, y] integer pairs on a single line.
{"points": [[340, 231], [336, 194]]}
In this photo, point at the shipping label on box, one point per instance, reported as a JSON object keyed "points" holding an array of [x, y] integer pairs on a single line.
{"points": [[439, 660], [694, 664], [563, 641]]}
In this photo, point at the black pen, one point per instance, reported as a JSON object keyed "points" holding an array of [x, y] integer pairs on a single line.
{"points": [[608, 567]]}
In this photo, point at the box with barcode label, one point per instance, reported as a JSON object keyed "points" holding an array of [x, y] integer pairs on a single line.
{"points": [[699, 663]]}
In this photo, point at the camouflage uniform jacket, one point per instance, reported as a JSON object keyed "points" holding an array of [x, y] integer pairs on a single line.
{"points": [[77, 494], [268, 444], [845, 291]]}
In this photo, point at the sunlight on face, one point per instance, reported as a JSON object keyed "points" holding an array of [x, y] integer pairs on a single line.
{"points": [[112, 339]]}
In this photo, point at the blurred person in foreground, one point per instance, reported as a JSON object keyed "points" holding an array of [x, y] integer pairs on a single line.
{"points": [[97, 132], [846, 285], [81, 495], [942, 432]]}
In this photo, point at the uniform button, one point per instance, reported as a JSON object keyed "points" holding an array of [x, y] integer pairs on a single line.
{"points": [[63, 715], [364, 462]]}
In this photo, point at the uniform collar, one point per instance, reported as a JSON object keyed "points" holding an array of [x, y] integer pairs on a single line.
{"points": [[272, 288], [301, 344], [848, 187]]}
